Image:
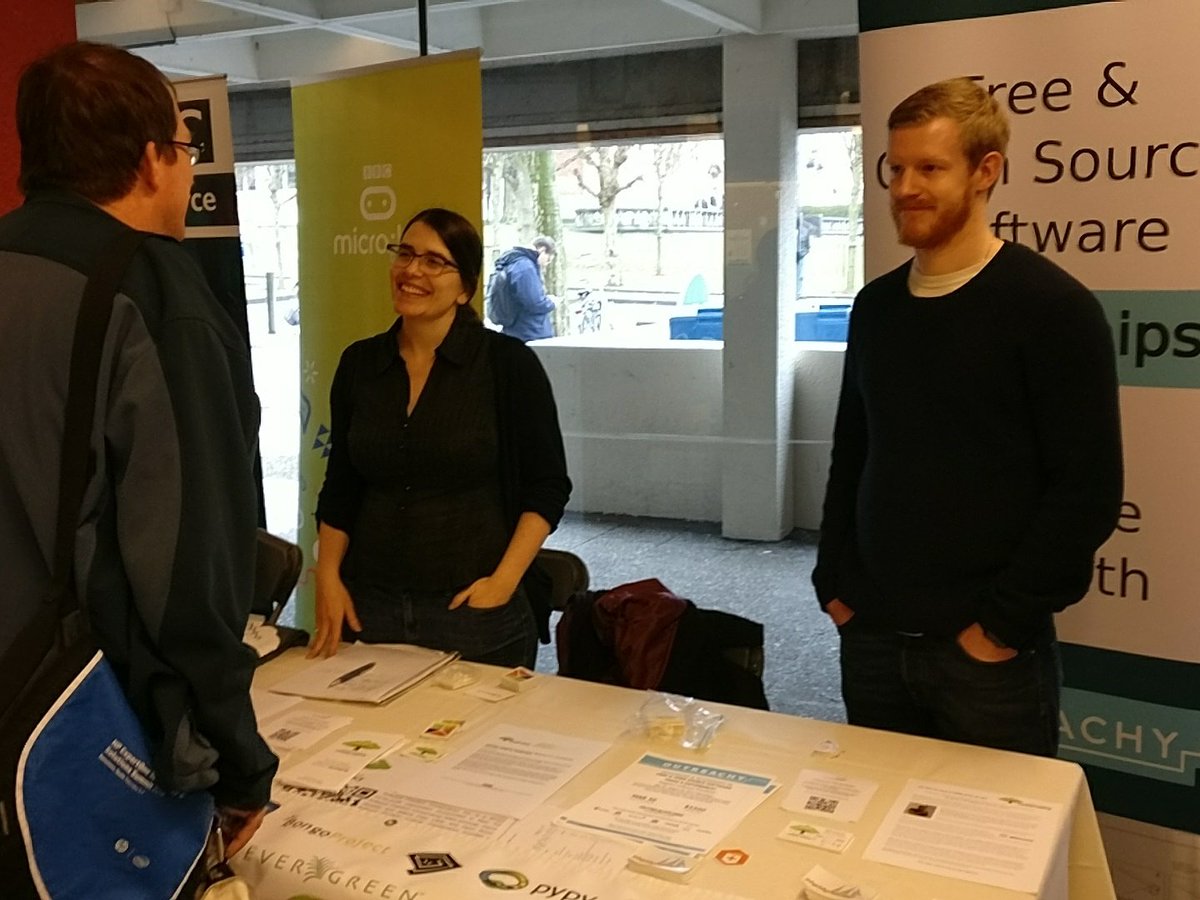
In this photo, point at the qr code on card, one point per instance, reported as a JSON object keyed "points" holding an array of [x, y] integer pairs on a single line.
{"points": [[821, 805]]}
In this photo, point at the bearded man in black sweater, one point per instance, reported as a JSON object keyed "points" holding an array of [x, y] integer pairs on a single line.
{"points": [[976, 455]]}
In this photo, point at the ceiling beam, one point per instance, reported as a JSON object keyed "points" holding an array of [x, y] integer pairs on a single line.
{"points": [[807, 19], [316, 52], [295, 11], [737, 16], [234, 33], [237, 59], [541, 28], [306, 14]]}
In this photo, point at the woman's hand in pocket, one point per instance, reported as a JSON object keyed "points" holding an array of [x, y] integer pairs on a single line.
{"points": [[486, 593]]}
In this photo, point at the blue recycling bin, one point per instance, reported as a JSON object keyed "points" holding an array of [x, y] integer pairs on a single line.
{"points": [[830, 322], [706, 325]]}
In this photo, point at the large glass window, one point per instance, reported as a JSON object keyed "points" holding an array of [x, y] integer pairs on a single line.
{"points": [[829, 220], [267, 209], [638, 226], [829, 228], [640, 232]]}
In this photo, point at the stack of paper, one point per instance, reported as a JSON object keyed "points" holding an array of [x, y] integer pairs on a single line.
{"points": [[366, 673], [678, 805], [332, 768]]}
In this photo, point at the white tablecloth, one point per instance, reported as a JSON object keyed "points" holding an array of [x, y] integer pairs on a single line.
{"points": [[312, 849]]}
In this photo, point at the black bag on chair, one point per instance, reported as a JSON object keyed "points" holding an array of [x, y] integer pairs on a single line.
{"points": [[717, 656], [710, 654], [278, 564]]}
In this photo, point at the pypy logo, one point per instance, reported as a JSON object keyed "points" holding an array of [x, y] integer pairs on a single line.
{"points": [[504, 879]]}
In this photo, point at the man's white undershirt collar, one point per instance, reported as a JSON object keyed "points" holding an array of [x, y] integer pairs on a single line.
{"points": [[922, 285]]}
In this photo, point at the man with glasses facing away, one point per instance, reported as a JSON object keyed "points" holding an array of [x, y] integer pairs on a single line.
{"points": [[165, 549], [976, 453]]}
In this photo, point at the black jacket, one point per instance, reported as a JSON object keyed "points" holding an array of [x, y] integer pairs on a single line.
{"points": [[165, 549], [533, 465], [976, 460]]}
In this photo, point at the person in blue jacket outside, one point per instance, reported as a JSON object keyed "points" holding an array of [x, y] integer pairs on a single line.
{"points": [[516, 297]]}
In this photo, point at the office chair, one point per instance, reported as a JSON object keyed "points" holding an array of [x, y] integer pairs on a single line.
{"points": [[568, 576], [277, 569]]}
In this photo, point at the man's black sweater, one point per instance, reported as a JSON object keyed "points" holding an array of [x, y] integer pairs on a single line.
{"points": [[976, 455]]}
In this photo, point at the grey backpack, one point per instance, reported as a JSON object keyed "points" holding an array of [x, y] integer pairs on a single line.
{"points": [[496, 305]]}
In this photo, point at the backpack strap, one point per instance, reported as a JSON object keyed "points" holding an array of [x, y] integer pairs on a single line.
{"points": [[54, 618]]}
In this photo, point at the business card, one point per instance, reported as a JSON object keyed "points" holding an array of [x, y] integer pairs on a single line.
{"points": [[817, 836]]}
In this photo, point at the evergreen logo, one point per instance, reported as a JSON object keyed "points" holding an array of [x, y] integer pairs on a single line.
{"points": [[327, 870], [318, 867]]}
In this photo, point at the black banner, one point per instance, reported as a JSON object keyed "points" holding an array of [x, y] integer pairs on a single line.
{"points": [[213, 201]]}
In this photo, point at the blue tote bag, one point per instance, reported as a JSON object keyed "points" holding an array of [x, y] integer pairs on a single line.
{"points": [[96, 824]]}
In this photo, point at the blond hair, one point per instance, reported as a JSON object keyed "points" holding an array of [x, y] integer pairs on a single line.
{"points": [[981, 122]]}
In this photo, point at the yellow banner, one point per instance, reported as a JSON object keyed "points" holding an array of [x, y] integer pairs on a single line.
{"points": [[373, 147]]}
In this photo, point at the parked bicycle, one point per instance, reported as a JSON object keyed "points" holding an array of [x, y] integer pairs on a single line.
{"points": [[586, 308]]}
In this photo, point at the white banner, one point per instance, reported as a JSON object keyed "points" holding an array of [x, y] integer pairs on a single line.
{"points": [[1102, 177]]}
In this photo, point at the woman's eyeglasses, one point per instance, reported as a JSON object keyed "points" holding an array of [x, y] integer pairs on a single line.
{"points": [[193, 150], [427, 263]]}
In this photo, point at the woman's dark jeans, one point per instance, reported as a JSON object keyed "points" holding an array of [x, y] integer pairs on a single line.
{"points": [[503, 636]]}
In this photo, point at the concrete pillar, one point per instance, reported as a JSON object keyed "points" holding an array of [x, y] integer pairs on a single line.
{"points": [[30, 28], [760, 115]]}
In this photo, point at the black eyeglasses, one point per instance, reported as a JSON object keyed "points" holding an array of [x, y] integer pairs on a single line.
{"points": [[427, 263], [193, 150]]}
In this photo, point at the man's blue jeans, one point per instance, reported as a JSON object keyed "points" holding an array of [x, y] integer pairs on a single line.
{"points": [[929, 686]]}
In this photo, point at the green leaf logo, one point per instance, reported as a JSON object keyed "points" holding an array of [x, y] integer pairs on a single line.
{"points": [[361, 745]]}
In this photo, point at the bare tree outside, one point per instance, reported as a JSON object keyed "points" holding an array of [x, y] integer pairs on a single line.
{"points": [[281, 189], [549, 223], [266, 191], [665, 158], [852, 138], [605, 163], [520, 194]]}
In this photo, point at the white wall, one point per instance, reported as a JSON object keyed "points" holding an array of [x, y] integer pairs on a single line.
{"points": [[643, 425], [818, 374]]}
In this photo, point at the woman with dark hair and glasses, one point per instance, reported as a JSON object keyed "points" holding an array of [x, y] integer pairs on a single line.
{"points": [[446, 471]]}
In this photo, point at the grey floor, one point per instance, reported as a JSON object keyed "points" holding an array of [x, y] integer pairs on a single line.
{"points": [[767, 582]]}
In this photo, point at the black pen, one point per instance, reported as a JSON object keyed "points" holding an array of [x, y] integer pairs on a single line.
{"points": [[353, 673]]}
